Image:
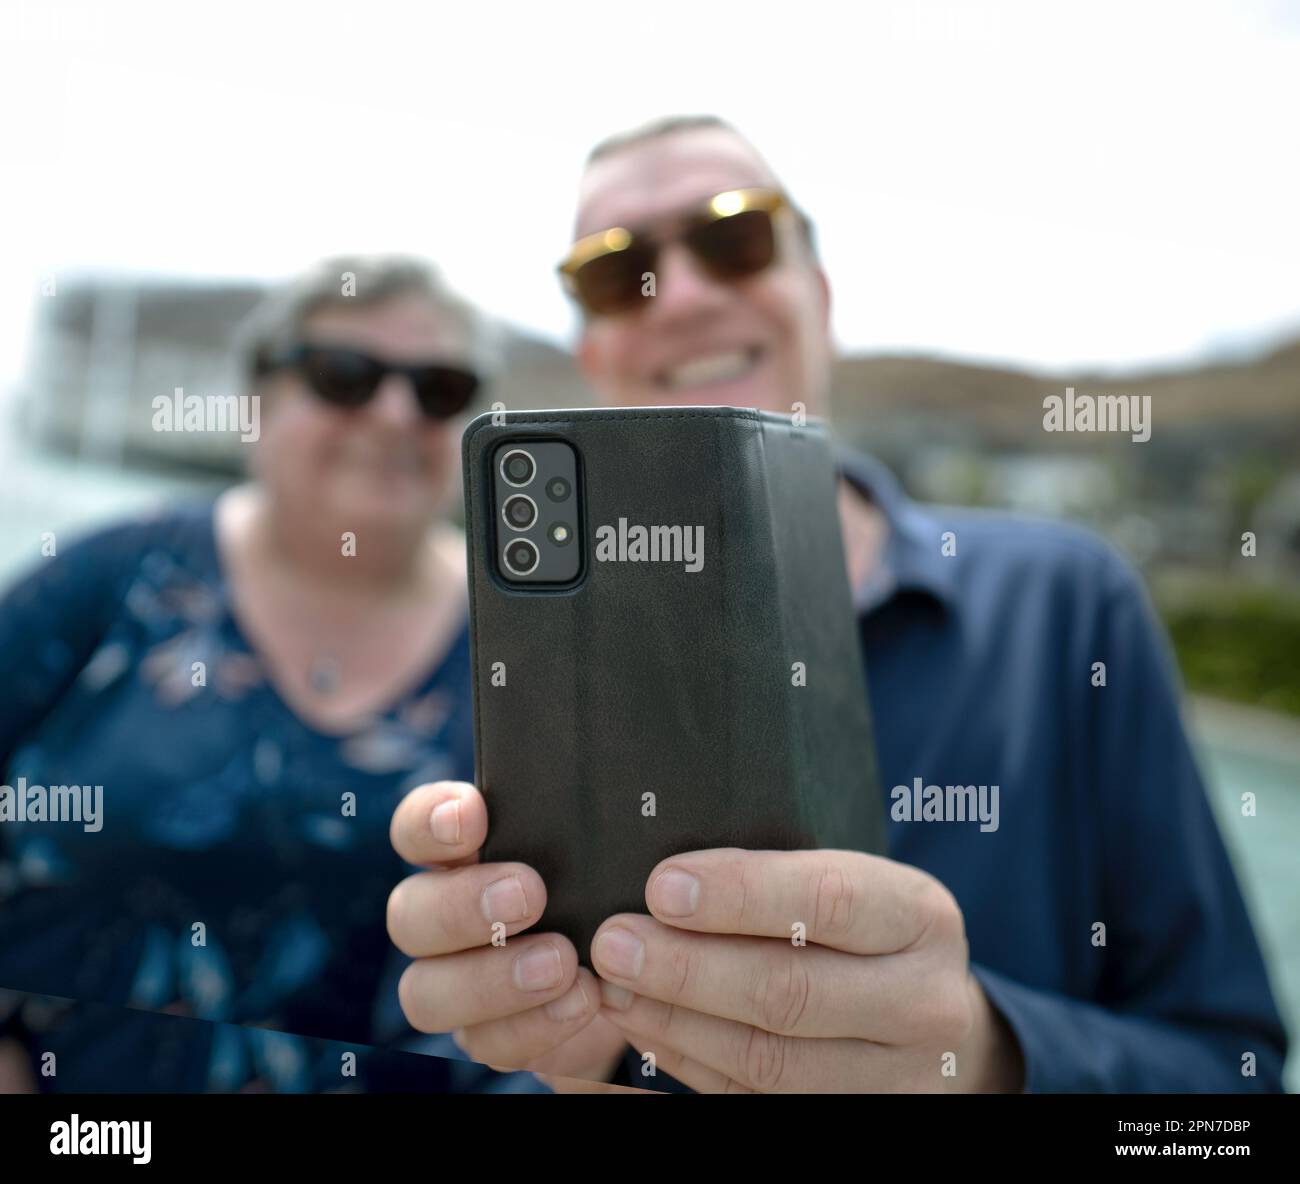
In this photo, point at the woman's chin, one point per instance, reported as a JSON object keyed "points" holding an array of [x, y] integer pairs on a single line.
{"points": [[385, 505]]}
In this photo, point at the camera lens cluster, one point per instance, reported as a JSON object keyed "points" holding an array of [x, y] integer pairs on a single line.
{"points": [[518, 469]]}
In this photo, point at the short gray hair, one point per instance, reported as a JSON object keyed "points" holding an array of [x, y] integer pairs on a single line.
{"points": [[655, 128], [349, 281], [668, 125]]}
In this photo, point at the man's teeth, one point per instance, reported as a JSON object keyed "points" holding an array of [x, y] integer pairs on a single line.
{"points": [[714, 368]]}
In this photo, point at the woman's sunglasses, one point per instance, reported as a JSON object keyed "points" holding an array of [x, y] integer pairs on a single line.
{"points": [[346, 377], [732, 236]]}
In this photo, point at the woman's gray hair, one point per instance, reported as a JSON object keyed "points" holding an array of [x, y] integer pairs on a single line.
{"points": [[348, 281]]}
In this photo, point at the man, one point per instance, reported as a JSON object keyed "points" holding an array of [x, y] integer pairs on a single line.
{"points": [[1084, 932]]}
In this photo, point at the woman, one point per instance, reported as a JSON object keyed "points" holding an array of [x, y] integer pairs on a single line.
{"points": [[255, 683]]}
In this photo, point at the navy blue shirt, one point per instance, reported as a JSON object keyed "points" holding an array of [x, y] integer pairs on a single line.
{"points": [[981, 633]]}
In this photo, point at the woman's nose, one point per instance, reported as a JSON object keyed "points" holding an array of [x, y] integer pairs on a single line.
{"points": [[395, 402]]}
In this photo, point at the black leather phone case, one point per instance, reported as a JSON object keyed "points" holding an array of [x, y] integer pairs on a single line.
{"points": [[647, 710]]}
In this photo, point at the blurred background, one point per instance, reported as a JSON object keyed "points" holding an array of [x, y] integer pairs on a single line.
{"points": [[1010, 200]]}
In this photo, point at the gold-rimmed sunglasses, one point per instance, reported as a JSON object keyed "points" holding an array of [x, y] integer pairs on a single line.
{"points": [[731, 235]]}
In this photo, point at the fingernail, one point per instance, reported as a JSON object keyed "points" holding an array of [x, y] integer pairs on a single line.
{"points": [[538, 969], [612, 995], [676, 893], [570, 1006], [622, 952], [445, 822], [504, 900]]}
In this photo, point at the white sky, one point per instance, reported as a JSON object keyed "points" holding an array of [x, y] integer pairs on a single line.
{"points": [[1053, 184]]}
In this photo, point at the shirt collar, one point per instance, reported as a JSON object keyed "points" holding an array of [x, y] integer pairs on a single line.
{"points": [[912, 560]]}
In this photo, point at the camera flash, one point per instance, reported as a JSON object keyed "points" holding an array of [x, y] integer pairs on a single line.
{"points": [[559, 533]]}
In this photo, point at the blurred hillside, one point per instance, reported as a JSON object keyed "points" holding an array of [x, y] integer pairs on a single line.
{"points": [[1262, 396]]}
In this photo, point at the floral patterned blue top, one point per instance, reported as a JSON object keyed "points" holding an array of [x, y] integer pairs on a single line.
{"points": [[237, 865]]}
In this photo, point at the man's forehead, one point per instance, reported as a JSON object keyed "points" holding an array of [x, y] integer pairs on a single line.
{"points": [[665, 175]]}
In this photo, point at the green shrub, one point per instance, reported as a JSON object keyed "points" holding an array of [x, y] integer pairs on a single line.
{"points": [[1235, 642]]}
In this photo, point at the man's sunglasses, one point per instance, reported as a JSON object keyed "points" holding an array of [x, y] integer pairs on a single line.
{"points": [[346, 377], [731, 236]]}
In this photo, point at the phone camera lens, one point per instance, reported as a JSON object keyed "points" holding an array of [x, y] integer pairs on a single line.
{"points": [[518, 468], [521, 557], [557, 489], [520, 512]]}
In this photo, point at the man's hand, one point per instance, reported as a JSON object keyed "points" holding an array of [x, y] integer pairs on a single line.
{"points": [[881, 997], [522, 1005]]}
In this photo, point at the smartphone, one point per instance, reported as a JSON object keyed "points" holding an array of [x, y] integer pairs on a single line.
{"points": [[665, 654]]}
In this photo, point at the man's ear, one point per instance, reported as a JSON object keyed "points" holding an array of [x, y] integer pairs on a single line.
{"points": [[822, 289]]}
